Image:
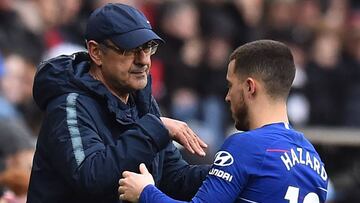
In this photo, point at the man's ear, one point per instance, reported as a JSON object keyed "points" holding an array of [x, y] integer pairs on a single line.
{"points": [[250, 87], [94, 52]]}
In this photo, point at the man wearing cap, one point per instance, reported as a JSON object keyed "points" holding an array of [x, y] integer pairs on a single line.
{"points": [[101, 118]]}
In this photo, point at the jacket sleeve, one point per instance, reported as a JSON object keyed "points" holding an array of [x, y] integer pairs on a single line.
{"points": [[181, 180], [79, 154]]}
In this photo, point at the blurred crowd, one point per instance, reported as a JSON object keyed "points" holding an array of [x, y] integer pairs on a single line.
{"points": [[189, 70]]}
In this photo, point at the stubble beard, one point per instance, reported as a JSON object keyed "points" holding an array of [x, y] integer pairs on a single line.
{"points": [[242, 117]]}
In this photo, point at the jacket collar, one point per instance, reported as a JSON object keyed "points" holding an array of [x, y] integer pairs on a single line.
{"points": [[141, 99]]}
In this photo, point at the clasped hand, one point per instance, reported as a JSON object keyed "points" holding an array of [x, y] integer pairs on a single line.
{"points": [[132, 184]]}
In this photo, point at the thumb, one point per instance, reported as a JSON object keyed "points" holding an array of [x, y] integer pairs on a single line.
{"points": [[143, 169]]}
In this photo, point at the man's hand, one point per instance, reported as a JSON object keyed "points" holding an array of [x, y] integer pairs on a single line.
{"points": [[132, 184], [181, 132]]}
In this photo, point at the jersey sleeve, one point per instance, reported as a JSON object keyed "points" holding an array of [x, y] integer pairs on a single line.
{"points": [[226, 179]]}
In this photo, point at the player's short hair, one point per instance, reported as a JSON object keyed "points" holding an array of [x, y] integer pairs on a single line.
{"points": [[269, 61]]}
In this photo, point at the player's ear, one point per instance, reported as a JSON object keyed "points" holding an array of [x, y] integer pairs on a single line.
{"points": [[250, 86], [94, 52]]}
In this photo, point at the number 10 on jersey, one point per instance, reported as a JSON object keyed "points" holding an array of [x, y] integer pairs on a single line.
{"points": [[292, 194]]}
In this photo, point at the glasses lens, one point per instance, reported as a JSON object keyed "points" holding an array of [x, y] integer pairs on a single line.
{"points": [[148, 48], [114, 48], [153, 49]]}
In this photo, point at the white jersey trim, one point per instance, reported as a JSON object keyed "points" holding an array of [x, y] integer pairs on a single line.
{"points": [[247, 200]]}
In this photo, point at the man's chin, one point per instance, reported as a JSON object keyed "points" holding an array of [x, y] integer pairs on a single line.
{"points": [[141, 84]]}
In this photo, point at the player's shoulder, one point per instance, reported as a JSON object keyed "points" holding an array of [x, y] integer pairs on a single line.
{"points": [[257, 134], [266, 135], [240, 136], [243, 141]]}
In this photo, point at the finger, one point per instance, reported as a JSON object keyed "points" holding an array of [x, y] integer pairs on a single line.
{"points": [[183, 140], [201, 145], [143, 169], [196, 140], [128, 174], [122, 181], [195, 143], [197, 147], [122, 197], [121, 190], [186, 142], [125, 174], [201, 142]]}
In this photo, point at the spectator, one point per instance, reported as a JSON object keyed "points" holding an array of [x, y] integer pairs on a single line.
{"points": [[325, 72], [213, 106], [352, 62], [15, 37], [181, 56], [16, 86], [7, 110], [16, 153]]}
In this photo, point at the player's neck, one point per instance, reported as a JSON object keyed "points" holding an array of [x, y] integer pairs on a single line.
{"points": [[268, 113]]}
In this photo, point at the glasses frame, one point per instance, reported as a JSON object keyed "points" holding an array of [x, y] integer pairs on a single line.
{"points": [[148, 48]]}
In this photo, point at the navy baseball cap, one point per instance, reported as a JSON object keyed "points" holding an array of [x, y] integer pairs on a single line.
{"points": [[124, 25]]}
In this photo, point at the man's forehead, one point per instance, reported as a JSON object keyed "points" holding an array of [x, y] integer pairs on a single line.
{"points": [[231, 68], [231, 64]]}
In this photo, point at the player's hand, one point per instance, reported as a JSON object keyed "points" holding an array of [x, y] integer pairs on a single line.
{"points": [[132, 184], [182, 133]]}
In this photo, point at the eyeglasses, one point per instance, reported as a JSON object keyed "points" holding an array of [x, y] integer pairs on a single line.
{"points": [[148, 48]]}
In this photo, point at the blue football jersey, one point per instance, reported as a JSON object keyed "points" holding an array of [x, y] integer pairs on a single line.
{"points": [[273, 163]]}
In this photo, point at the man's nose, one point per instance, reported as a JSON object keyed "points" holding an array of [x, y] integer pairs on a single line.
{"points": [[141, 58], [227, 99]]}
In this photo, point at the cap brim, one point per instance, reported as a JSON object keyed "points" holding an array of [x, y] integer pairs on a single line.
{"points": [[135, 38]]}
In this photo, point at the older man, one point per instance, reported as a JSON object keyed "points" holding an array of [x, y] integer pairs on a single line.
{"points": [[101, 118]]}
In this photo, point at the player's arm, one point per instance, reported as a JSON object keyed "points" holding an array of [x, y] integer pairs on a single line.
{"points": [[140, 187], [223, 183]]}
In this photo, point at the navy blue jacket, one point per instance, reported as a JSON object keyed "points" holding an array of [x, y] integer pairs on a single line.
{"points": [[89, 137]]}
